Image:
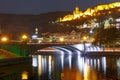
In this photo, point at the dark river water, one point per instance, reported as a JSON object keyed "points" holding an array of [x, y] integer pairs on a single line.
{"points": [[75, 67]]}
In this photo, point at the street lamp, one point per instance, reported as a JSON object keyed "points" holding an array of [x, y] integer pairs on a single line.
{"points": [[24, 37], [4, 39], [23, 44], [84, 38], [25, 75], [84, 42]]}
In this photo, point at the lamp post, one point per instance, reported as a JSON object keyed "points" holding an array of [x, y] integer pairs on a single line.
{"points": [[23, 43], [84, 44], [3, 39], [24, 37]]}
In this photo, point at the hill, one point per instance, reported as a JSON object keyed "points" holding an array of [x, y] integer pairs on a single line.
{"points": [[12, 24]]}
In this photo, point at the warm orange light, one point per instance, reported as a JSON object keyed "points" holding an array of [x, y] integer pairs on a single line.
{"points": [[24, 37], [86, 72], [119, 10], [61, 39], [85, 38], [89, 12], [93, 39], [25, 75], [4, 39]]}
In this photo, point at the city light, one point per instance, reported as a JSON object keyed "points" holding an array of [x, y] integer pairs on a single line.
{"points": [[24, 37], [25, 75], [93, 39], [61, 39], [34, 36], [4, 39], [84, 38]]}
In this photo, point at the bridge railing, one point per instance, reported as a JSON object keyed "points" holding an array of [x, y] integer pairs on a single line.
{"points": [[104, 50]]}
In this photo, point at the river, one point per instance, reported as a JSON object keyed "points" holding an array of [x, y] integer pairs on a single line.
{"points": [[75, 67]]}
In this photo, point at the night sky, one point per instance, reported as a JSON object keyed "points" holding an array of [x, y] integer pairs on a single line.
{"points": [[44, 6]]}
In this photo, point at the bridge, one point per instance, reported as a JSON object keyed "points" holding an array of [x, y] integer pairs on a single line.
{"points": [[24, 49], [33, 47], [69, 48]]}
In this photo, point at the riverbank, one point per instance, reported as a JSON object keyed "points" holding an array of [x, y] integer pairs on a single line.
{"points": [[16, 68], [6, 54]]}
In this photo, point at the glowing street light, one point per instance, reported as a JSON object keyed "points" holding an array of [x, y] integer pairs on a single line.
{"points": [[24, 37], [23, 44], [84, 38], [61, 39], [4, 39], [84, 41]]}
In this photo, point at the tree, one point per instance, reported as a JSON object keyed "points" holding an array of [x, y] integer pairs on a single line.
{"points": [[107, 36]]}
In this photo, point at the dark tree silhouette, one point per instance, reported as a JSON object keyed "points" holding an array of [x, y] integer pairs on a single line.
{"points": [[108, 36]]}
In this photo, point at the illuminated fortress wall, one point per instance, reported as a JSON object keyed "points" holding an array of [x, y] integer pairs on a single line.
{"points": [[89, 12]]}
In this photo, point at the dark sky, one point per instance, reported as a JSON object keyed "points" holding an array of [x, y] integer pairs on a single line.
{"points": [[44, 6]]}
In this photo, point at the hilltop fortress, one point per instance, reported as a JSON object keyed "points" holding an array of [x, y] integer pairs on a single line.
{"points": [[90, 11]]}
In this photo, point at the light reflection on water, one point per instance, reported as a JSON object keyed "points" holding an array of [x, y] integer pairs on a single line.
{"points": [[75, 67]]}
